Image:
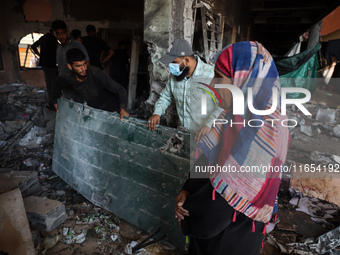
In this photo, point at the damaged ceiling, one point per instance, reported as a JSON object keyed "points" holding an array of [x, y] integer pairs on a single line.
{"points": [[278, 24]]}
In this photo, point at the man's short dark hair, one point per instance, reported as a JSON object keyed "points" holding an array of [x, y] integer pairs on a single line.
{"points": [[73, 55], [90, 28], [59, 24], [76, 33]]}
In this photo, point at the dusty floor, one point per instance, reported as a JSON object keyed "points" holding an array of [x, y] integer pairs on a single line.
{"points": [[23, 108], [296, 226]]}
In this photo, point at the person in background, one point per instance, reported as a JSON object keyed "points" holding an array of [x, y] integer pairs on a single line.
{"points": [[98, 50], [333, 60], [323, 62], [120, 64], [76, 35], [92, 84], [66, 43], [48, 46]]}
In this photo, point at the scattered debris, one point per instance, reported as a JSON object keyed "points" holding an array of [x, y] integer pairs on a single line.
{"points": [[26, 142], [326, 115], [319, 210], [174, 144], [326, 243], [44, 214]]}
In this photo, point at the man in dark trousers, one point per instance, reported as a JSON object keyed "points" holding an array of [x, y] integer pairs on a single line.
{"points": [[96, 48], [92, 84], [48, 47]]}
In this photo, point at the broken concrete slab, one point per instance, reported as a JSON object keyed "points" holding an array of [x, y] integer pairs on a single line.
{"points": [[326, 115], [44, 214], [310, 130], [137, 183], [27, 182], [15, 234]]}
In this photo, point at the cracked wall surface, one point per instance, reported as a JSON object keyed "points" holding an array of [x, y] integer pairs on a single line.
{"points": [[167, 20]]}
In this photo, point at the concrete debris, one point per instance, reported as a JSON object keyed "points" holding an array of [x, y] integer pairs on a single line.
{"points": [[44, 214], [69, 236], [324, 244], [336, 158], [27, 182], [324, 158], [129, 246], [299, 120], [174, 144], [326, 115], [7, 88], [309, 130], [15, 234], [319, 210], [36, 137]]}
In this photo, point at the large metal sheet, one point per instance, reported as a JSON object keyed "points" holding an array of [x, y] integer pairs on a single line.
{"points": [[122, 166]]}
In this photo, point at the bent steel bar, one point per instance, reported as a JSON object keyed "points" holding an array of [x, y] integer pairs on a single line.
{"points": [[122, 166]]}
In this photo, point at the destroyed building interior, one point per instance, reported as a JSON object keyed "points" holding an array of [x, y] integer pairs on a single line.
{"points": [[81, 181]]}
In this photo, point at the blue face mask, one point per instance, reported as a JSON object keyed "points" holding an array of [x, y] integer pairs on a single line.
{"points": [[174, 68]]}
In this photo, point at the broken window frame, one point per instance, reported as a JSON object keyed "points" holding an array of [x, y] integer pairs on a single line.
{"points": [[213, 32], [29, 53]]}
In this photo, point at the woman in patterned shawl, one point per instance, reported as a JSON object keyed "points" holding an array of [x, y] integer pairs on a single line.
{"points": [[227, 213]]}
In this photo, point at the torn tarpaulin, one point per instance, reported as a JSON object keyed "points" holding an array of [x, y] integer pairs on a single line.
{"points": [[324, 244]]}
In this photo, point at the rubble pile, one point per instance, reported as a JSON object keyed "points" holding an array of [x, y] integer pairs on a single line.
{"points": [[60, 219], [64, 222], [308, 216]]}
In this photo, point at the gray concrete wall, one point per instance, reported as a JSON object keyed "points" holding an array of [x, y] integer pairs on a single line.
{"points": [[166, 20]]}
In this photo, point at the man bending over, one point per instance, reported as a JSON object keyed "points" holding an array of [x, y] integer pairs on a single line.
{"points": [[97, 89]]}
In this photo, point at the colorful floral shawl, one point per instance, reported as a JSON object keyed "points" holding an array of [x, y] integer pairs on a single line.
{"points": [[249, 64]]}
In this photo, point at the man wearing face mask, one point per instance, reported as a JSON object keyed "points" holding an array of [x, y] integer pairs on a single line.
{"points": [[184, 66]]}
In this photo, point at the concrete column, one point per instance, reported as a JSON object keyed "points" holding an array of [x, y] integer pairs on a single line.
{"points": [[9, 51], [164, 21], [133, 71], [157, 17]]}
